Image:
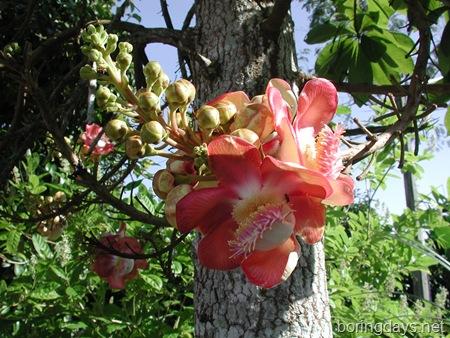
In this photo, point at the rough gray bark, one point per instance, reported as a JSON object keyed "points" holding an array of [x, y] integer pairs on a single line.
{"points": [[245, 57]]}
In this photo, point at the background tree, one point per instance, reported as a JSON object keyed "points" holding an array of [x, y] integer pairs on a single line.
{"points": [[234, 45]]}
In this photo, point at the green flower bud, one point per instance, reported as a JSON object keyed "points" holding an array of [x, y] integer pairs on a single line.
{"points": [[152, 71], [88, 73], [149, 102], [97, 40], [163, 182], [111, 43], [93, 54], [152, 132], [116, 129], [161, 84], [103, 95], [180, 93], [125, 47], [123, 60], [91, 29], [248, 135], [134, 147], [227, 110], [208, 117]]}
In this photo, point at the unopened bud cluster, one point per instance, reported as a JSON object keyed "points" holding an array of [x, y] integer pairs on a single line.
{"points": [[158, 119], [41, 206]]}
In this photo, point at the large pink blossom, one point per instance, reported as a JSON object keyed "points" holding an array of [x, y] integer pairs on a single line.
{"points": [[250, 219], [117, 271], [103, 146], [307, 140]]}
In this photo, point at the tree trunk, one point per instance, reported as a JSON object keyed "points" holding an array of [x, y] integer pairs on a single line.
{"points": [[244, 57]]}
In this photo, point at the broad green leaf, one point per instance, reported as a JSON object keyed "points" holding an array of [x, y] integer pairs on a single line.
{"points": [[154, 281], [47, 292], [447, 121], [41, 246], [372, 47], [443, 236], [12, 241], [334, 60], [323, 32], [34, 180], [343, 110], [383, 7], [58, 271], [132, 185]]}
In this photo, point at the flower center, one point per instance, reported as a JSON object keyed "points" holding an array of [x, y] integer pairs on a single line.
{"points": [[264, 227]]}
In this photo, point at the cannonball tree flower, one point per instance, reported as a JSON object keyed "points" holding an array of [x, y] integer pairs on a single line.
{"points": [[250, 219], [117, 271], [309, 142], [103, 146]]}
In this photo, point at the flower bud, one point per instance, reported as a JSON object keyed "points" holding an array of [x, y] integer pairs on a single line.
{"points": [[163, 182], [248, 135], [111, 43], [150, 104], [102, 96], [208, 117], [116, 129], [88, 73], [93, 54], [173, 197], [152, 71], [91, 29], [180, 93], [134, 147], [161, 84], [227, 110], [257, 118], [152, 132], [180, 167], [123, 61], [125, 47]]}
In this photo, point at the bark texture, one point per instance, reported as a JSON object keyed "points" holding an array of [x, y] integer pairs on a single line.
{"points": [[244, 57]]}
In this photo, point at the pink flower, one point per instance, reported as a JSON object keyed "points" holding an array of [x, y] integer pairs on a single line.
{"points": [[117, 271], [309, 142], [103, 146], [251, 218]]}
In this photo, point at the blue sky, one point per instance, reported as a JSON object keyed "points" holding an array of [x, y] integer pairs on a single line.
{"points": [[436, 170]]}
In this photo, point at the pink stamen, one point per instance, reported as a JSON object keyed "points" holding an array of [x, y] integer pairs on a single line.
{"points": [[327, 151]]}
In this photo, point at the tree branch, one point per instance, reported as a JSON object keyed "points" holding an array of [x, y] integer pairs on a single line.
{"points": [[272, 25], [415, 88], [396, 90]]}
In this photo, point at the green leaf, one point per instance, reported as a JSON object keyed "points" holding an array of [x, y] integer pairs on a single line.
{"points": [[447, 121], [58, 272], [71, 292], [323, 32], [12, 241], [132, 185], [372, 47], [335, 58], [41, 246], [443, 235], [343, 110], [46, 293], [445, 40], [34, 180], [154, 281]]}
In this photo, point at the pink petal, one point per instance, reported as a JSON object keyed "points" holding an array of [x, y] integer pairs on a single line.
{"points": [[269, 268], [287, 177], [316, 105], [204, 208], [310, 217], [286, 93], [236, 163], [240, 99], [342, 194], [288, 150], [213, 250], [116, 281]]}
